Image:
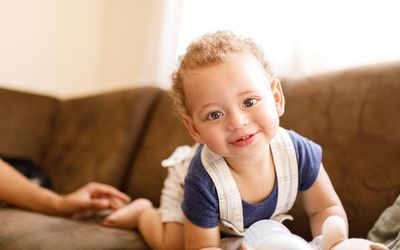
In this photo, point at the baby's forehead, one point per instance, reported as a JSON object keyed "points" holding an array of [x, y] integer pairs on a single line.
{"points": [[247, 60], [204, 60]]}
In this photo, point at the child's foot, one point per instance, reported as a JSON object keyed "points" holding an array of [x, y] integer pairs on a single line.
{"points": [[127, 217]]}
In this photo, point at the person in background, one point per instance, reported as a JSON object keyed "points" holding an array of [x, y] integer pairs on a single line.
{"points": [[17, 190]]}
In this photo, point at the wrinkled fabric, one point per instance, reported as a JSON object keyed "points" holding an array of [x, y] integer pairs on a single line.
{"points": [[387, 228]]}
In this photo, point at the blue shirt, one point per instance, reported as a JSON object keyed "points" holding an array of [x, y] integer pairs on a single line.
{"points": [[200, 203]]}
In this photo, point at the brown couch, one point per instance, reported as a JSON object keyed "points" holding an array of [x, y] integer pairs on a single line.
{"points": [[120, 138]]}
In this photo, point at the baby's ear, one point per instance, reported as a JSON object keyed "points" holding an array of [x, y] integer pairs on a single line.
{"points": [[189, 124], [333, 231], [279, 98]]}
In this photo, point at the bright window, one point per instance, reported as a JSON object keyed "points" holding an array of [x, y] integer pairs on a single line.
{"points": [[305, 36]]}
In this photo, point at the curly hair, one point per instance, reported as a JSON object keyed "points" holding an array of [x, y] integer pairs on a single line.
{"points": [[210, 49]]}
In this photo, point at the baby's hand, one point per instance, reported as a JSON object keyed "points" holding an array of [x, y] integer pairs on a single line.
{"points": [[128, 216]]}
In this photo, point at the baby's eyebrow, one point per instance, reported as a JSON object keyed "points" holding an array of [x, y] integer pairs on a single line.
{"points": [[246, 92], [208, 105]]}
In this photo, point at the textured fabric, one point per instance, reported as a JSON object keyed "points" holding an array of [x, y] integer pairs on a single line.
{"points": [[200, 204], [21, 230], [26, 121], [308, 153], [172, 192], [95, 137], [229, 200], [162, 134], [354, 114], [286, 169], [387, 228]]}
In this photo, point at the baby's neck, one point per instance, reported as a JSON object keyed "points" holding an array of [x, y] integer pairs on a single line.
{"points": [[255, 179], [246, 166]]}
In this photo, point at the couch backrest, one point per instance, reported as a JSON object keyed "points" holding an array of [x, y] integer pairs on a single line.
{"points": [[25, 122], [354, 115], [95, 137], [163, 134]]}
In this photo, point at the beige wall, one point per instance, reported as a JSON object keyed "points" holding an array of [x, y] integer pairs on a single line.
{"points": [[74, 47]]}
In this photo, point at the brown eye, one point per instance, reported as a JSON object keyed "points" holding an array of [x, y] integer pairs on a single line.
{"points": [[214, 115], [249, 102]]}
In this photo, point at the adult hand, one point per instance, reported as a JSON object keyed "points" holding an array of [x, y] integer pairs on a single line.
{"points": [[91, 198]]}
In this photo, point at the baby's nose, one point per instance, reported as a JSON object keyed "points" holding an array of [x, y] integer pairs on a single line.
{"points": [[237, 121]]}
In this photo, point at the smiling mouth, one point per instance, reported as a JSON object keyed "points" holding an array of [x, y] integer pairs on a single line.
{"points": [[244, 138]]}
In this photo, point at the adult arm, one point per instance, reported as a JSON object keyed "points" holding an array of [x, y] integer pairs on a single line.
{"points": [[17, 190]]}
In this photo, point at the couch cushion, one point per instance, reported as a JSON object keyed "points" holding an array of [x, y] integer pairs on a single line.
{"points": [[354, 114], [26, 120], [95, 137], [163, 134], [20, 230]]}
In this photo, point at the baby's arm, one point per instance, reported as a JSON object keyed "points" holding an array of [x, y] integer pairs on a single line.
{"points": [[201, 238], [320, 201]]}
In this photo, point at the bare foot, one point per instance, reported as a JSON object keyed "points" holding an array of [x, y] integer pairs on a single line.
{"points": [[127, 217]]}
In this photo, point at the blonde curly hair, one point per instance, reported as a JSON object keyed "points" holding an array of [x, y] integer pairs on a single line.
{"points": [[210, 49]]}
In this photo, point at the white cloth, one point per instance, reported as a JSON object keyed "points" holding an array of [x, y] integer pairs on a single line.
{"points": [[172, 192]]}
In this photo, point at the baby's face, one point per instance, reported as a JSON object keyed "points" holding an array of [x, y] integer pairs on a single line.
{"points": [[235, 107]]}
